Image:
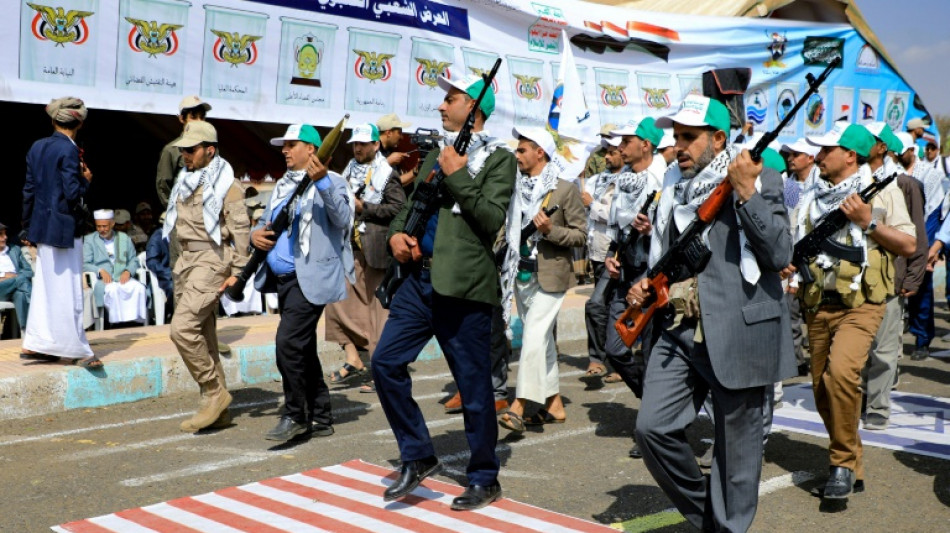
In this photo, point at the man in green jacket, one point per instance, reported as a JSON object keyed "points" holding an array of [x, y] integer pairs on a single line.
{"points": [[450, 294]]}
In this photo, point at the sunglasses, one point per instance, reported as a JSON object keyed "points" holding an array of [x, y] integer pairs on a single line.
{"points": [[189, 150]]}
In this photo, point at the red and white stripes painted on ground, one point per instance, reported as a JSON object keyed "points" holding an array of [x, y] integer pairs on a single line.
{"points": [[345, 498]]}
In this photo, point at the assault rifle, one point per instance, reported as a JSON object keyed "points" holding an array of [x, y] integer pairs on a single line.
{"points": [[628, 241], [428, 198], [688, 251], [282, 220], [820, 239], [526, 234]]}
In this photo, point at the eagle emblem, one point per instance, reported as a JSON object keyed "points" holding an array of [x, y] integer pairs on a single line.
{"points": [[235, 48], [528, 87], [60, 26], [613, 95], [429, 71], [153, 38], [656, 98], [373, 66], [480, 72]]}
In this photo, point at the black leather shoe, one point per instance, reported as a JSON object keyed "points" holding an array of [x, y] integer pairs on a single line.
{"points": [[635, 452], [413, 472], [476, 497], [286, 429], [839, 484]]}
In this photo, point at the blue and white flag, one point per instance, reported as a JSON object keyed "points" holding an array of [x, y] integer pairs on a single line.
{"points": [[571, 118]]}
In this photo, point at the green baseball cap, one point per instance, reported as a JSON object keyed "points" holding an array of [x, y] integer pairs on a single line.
{"points": [[698, 110], [472, 86], [847, 136], [299, 132], [645, 129], [364, 133], [773, 160], [884, 134]]}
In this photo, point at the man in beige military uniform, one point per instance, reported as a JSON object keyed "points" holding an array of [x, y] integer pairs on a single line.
{"points": [[206, 210]]}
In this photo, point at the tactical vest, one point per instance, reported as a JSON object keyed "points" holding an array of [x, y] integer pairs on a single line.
{"points": [[877, 283]]}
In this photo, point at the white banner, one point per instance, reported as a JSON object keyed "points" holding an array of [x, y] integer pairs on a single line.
{"points": [[306, 51], [843, 104], [785, 100], [614, 92], [430, 59], [529, 93], [815, 113], [59, 44], [231, 69], [370, 83], [895, 108], [271, 58], [148, 54]]}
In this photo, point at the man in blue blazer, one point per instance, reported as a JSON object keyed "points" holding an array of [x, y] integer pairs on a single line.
{"points": [[307, 266], [56, 181], [16, 278]]}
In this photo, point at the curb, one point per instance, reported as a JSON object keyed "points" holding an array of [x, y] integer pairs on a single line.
{"points": [[66, 387]]}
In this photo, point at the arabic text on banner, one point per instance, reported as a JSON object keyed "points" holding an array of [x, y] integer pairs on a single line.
{"points": [[370, 74], [430, 59], [150, 54], [231, 68], [306, 54], [59, 47]]}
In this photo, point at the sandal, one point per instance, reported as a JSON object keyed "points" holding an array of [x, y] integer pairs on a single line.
{"points": [[368, 388], [543, 417], [89, 362], [613, 377], [514, 422], [337, 377], [595, 371]]}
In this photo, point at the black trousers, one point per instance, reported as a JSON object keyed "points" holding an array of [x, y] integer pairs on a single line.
{"points": [[595, 313], [306, 395]]}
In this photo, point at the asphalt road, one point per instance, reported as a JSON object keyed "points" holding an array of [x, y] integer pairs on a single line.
{"points": [[75, 465]]}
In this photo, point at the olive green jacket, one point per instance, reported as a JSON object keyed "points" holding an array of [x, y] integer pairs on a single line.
{"points": [[463, 265]]}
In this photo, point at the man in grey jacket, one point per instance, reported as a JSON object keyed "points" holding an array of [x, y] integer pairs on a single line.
{"points": [[307, 265], [739, 291]]}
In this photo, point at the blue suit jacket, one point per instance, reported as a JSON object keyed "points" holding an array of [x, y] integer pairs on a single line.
{"points": [[54, 184], [321, 274]]}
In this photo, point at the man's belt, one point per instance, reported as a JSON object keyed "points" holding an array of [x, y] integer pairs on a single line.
{"points": [[831, 299], [285, 278], [526, 264], [197, 246]]}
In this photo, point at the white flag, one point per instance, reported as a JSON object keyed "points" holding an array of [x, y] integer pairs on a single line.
{"points": [[571, 118]]}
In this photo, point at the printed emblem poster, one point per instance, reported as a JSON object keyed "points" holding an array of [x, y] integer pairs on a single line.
{"points": [[370, 86], [895, 109], [689, 84], [868, 105], [149, 55], [757, 107], [787, 97], [230, 67], [305, 48], [581, 72], [531, 102], [655, 93], [815, 112], [430, 59], [58, 42], [613, 103], [479, 62], [843, 104]]}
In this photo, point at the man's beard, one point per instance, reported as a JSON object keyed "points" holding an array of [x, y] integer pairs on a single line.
{"points": [[699, 164]]}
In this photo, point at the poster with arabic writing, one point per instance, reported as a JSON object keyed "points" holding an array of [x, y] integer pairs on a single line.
{"points": [[370, 83], [59, 41], [613, 101], [305, 50], [149, 54], [430, 59], [532, 101], [231, 68]]}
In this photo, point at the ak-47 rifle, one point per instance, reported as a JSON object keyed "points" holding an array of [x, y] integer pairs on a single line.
{"points": [[282, 220], [428, 198], [626, 244], [689, 251], [820, 239]]}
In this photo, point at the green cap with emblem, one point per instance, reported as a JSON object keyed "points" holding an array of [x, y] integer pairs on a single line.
{"points": [[698, 110], [645, 129], [847, 136], [299, 132], [472, 86]]}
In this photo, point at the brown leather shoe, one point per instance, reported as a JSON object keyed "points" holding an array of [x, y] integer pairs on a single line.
{"points": [[454, 405], [501, 406]]}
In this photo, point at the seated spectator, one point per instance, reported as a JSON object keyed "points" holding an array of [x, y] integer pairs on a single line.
{"points": [[16, 278], [156, 259], [143, 227], [111, 256]]}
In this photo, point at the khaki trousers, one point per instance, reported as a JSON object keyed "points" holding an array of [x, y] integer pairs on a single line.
{"points": [[193, 324], [840, 339]]}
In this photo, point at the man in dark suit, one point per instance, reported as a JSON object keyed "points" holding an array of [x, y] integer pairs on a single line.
{"points": [[739, 290], [16, 278], [449, 295], [56, 181]]}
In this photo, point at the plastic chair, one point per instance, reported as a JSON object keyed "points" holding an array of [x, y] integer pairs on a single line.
{"points": [[99, 313], [150, 280]]}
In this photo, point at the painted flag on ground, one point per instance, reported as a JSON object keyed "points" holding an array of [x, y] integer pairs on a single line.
{"points": [[232, 68], [346, 498], [303, 75], [570, 117]]}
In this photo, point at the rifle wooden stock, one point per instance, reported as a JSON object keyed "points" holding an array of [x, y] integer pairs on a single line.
{"points": [[631, 323]]}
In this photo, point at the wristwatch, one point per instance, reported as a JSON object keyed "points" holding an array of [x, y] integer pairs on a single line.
{"points": [[871, 227]]}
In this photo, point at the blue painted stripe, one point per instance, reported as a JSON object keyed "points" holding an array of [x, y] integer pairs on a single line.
{"points": [[118, 382], [911, 445], [258, 364]]}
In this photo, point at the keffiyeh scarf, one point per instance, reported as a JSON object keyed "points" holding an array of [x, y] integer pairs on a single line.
{"points": [[482, 145], [285, 187], [216, 178], [378, 171]]}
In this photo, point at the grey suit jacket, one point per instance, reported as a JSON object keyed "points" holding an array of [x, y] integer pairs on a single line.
{"points": [[746, 327], [322, 272]]}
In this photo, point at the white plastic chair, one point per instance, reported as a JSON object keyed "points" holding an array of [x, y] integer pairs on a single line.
{"points": [[150, 280], [98, 313]]}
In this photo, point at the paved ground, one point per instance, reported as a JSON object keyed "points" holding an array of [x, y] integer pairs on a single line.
{"points": [[82, 463]]}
